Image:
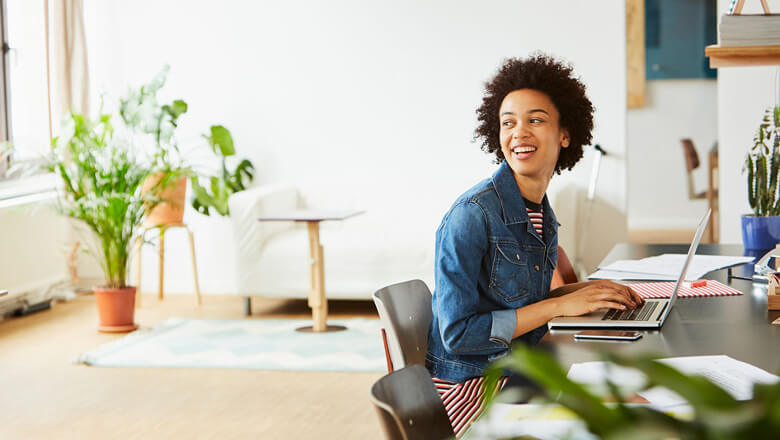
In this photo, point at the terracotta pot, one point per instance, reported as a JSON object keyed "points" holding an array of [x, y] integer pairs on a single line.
{"points": [[170, 210], [116, 309]]}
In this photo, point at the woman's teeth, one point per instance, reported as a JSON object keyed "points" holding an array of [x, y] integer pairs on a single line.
{"points": [[518, 150]]}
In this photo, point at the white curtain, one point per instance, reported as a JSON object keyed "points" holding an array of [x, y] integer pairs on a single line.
{"points": [[69, 92], [69, 81]]}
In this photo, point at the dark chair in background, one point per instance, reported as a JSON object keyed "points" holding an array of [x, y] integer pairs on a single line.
{"points": [[409, 406], [711, 193]]}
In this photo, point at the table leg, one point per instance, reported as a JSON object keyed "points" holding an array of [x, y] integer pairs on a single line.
{"points": [[317, 299]]}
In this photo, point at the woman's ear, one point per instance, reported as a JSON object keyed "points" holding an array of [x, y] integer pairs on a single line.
{"points": [[565, 139]]}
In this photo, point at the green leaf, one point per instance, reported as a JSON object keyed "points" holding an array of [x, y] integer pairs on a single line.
{"points": [[178, 108], [545, 370], [697, 390], [221, 141]]}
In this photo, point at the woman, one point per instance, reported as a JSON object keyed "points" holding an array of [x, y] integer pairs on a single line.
{"points": [[496, 247]]}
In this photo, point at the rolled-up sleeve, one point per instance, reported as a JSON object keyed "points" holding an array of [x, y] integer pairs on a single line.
{"points": [[461, 246], [504, 323]]}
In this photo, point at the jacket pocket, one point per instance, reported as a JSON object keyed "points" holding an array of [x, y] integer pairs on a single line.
{"points": [[509, 276]]}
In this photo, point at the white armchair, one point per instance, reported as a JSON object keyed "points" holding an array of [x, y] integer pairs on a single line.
{"points": [[361, 254]]}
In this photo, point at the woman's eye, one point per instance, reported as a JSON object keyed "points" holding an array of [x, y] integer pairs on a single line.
{"points": [[536, 120], [507, 123]]}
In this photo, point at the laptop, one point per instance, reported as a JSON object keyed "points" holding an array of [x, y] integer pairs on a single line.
{"points": [[651, 314]]}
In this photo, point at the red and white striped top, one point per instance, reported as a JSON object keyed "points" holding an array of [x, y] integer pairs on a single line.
{"points": [[536, 215], [463, 401]]}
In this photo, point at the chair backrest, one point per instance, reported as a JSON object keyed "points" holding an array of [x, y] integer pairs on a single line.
{"points": [[691, 163], [405, 312], [564, 272], [409, 406]]}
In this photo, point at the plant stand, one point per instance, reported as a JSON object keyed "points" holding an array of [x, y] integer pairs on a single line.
{"points": [[139, 244]]}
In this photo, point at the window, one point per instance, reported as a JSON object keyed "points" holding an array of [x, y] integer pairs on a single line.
{"points": [[27, 103]]}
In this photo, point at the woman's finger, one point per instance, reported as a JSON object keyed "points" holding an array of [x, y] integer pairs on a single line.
{"points": [[609, 305], [638, 298], [616, 296]]}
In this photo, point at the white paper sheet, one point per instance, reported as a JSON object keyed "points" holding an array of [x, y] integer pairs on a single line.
{"points": [[666, 267], [736, 377]]}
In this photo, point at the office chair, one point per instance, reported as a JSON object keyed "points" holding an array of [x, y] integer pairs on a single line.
{"points": [[405, 312], [409, 406]]}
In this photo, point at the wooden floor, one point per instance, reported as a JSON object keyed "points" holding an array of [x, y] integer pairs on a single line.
{"points": [[44, 396]]}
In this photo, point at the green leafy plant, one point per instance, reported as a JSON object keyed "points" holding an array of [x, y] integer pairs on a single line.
{"points": [[216, 195], [717, 415], [142, 113], [763, 166], [102, 180]]}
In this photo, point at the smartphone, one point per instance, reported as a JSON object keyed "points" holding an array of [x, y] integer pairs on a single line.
{"points": [[615, 335]]}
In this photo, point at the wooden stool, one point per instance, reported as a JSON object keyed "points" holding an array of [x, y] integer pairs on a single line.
{"points": [[139, 243]]}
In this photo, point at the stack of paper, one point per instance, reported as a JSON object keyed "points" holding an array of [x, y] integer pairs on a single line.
{"points": [[736, 377], [666, 267]]}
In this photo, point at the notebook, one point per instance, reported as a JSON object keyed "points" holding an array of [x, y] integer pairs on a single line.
{"points": [[650, 315]]}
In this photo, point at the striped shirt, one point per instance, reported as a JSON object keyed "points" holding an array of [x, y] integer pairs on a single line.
{"points": [[463, 401], [536, 215]]}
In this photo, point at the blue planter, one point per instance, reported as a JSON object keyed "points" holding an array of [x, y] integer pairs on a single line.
{"points": [[760, 233]]}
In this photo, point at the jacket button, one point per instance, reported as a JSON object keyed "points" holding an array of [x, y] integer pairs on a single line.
{"points": [[536, 268], [517, 256]]}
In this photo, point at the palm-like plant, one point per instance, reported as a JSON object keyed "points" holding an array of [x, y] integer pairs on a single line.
{"points": [[763, 166], [101, 186]]}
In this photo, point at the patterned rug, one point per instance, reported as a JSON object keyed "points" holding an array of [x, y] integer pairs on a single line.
{"points": [[255, 344]]}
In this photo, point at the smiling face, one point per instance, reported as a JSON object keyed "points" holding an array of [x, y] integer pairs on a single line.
{"points": [[531, 137]]}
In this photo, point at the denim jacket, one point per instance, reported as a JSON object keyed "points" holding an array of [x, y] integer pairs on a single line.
{"points": [[489, 262]]}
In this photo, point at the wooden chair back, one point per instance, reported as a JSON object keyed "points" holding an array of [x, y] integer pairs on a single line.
{"points": [[691, 163], [564, 271]]}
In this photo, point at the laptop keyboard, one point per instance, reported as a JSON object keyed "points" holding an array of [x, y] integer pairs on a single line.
{"points": [[638, 314]]}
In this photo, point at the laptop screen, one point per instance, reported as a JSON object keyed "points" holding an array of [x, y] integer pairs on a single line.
{"points": [[689, 258]]}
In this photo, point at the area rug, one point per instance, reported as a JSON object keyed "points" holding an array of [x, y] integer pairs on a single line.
{"points": [[255, 344]]}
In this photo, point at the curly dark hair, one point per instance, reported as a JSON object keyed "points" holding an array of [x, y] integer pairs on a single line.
{"points": [[555, 79]]}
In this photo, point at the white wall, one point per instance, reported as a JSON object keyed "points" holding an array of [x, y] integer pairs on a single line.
{"points": [[743, 95], [371, 100], [657, 178]]}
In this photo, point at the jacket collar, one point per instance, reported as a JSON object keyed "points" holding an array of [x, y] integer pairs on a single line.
{"points": [[511, 199]]}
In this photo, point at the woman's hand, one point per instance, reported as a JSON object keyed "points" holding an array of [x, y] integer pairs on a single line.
{"points": [[599, 294]]}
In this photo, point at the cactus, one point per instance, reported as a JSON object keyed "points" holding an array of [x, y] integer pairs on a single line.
{"points": [[763, 166]]}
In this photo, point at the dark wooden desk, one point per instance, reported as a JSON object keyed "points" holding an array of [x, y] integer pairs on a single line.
{"points": [[737, 326]]}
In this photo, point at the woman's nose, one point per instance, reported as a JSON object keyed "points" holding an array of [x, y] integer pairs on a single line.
{"points": [[520, 131]]}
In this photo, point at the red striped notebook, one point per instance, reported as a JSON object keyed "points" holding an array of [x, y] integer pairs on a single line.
{"points": [[664, 290]]}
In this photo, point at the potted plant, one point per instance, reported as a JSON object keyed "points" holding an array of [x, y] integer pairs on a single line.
{"points": [[142, 113], [102, 178], [716, 414], [761, 230], [151, 122]]}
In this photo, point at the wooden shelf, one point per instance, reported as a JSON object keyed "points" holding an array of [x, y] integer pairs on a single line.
{"points": [[743, 56]]}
